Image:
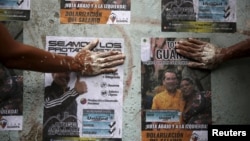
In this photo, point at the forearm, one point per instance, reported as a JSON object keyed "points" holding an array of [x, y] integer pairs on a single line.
{"points": [[16, 55], [30, 58], [239, 50]]}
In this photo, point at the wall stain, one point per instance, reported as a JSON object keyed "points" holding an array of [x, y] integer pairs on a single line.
{"points": [[129, 59]]}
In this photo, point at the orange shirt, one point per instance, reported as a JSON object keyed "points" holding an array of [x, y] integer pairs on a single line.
{"points": [[165, 101]]}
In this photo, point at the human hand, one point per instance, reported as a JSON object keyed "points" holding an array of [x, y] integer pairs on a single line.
{"points": [[93, 63], [203, 54], [80, 86]]}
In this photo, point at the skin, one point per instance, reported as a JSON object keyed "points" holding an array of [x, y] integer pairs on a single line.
{"points": [[16, 55], [171, 82], [80, 86], [188, 93], [205, 55], [1, 75], [186, 88], [62, 79]]}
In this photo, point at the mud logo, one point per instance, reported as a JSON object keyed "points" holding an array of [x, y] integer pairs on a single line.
{"points": [[3, 122], [113, 17]]}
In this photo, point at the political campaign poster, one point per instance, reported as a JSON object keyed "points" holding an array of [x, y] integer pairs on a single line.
{"points": [[11, 99], [11, 92], [14, 10], [95, 11], [199, 16], [176, 100], [78, 107]]}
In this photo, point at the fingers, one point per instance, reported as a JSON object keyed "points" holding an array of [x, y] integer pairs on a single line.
{"points": [[192, 48], [112, 58], [202, 65], [109, 53], [197, 65], [108, 70], [94, 63], [109, 67], [188, 46], [195, 41], [193, 55], [91, 45], [112, 63]]}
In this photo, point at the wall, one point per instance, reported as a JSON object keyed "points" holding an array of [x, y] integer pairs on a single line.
{"points": [[230, 82]]}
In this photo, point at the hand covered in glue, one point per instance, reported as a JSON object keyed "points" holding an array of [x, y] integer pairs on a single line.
{"points": [[80, 86], [93, 63], [203, 54]]}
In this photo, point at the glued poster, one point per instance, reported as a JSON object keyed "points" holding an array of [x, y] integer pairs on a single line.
{"points": [[11, 10], [199, 16], [95, 11], [11, 92], [176, 100], [81, 107], [11, 99]]}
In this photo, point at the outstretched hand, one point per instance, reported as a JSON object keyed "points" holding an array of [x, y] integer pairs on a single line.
{"points": [[93, 63], [203, 54]]}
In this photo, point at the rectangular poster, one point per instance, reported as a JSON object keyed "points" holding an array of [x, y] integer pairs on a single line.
{"points": [[14, 10], [11, 94], [11, 99], [82, 107], [176, 100], [199, 16], [95, 11]]}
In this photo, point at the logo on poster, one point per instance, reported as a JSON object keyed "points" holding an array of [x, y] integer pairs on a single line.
{"points": [[3, 122]]}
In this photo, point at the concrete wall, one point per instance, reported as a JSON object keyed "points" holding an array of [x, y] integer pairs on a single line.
{"points": [[230, 82]]}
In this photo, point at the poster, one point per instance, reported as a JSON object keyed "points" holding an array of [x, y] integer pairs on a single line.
{"points": [[14, 10], [199, 16], [95, 11], [11, 93], [91, 114], [11, 99], [176, 100]]}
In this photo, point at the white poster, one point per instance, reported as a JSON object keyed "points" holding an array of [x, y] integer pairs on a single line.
{"points": [[94, 114], [14, 10], [95, 11]]}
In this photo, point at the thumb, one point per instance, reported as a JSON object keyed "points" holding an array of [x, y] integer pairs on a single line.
{"points": [[91, 45], [77, 78]]}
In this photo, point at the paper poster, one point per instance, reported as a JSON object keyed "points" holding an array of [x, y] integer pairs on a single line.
{"points": [[14, 10], [92, 113], [95, 11], [11, 99], [176, 100], [199, 16]]}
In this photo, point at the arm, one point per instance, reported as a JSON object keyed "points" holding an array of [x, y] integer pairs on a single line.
{"points": [[208, 56], [16, 55]]}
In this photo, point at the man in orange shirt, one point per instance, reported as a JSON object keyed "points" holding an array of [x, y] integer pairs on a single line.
{"points": [[171, 97]]}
